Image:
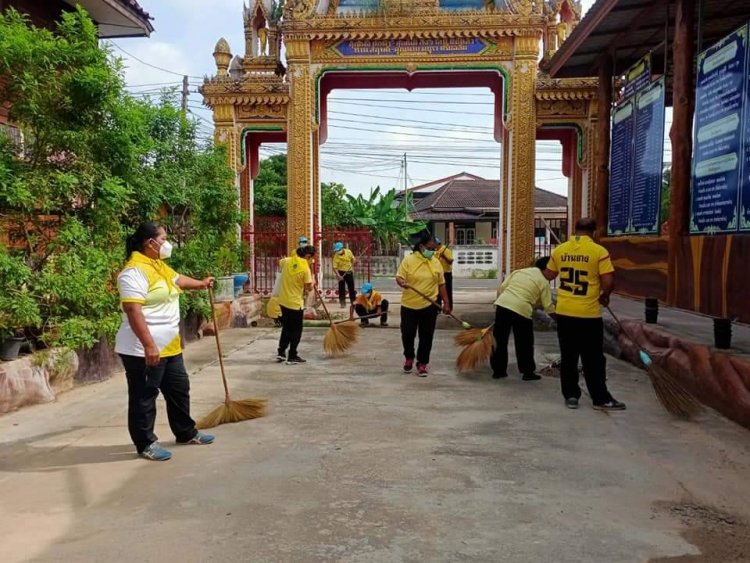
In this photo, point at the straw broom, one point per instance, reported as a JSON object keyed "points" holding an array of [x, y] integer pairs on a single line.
{"points": [[478, 351], [340, 336], [671, 394], [464, 324], [230, 411]]}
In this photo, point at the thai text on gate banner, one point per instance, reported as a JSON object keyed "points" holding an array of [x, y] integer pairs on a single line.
{"points": [[395, 47]]}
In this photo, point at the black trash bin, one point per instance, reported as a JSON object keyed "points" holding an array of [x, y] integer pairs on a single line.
{"points": [[723, 333]]}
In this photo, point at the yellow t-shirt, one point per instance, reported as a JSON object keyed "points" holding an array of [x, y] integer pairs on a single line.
{"points": [[295, 273], [343, 261], [424, 275], [523, 289], [445, 255], [153, 284], [580, 263], [370, 304]]}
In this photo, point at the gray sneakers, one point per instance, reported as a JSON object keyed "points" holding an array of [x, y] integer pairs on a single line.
{"points": [[571, 403]]}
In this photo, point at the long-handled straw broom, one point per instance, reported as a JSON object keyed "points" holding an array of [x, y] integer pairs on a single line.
{"points": [[477, 351], [464, 324], [671, 394], [340, 336], [230, 410]]}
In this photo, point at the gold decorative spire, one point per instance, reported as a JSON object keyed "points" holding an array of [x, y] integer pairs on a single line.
{"points": [[222, 56]]}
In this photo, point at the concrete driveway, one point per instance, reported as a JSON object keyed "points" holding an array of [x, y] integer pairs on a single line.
{"points": [[359, 462]]}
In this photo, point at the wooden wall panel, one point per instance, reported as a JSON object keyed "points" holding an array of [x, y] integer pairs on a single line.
{"points": [[640, 266]]}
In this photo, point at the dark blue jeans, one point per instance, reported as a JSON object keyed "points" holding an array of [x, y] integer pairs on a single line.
{"points": [[144, 384]]}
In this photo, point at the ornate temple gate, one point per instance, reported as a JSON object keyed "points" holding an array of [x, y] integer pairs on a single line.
{"points": [[335, 44]]}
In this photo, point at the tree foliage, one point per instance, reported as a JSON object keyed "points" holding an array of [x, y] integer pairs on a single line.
{"points": [[387, 220], [378, 212], [269, 187], [94, 163]]}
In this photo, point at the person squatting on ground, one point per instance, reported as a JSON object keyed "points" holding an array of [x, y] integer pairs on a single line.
{"points": [[586, 282], [295, 278], [445, 256], [149, 341], [371, 302], [422, 271], [519, 294], [343, 267]]}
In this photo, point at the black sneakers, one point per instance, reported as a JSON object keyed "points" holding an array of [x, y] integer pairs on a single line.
{"points": [[613, 405], [295, 360], [531, 377]]}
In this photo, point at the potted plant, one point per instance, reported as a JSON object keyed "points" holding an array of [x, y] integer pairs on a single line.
{"points": [[10, 344], [15, 314]]}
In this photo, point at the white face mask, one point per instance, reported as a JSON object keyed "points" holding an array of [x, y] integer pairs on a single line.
{"points": [[165, 250]]}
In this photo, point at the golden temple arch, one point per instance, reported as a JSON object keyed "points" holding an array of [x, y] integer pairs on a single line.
{"points": [[296, 54]]}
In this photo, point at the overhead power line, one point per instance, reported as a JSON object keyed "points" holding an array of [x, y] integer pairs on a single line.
{"points": [[132, 56]]}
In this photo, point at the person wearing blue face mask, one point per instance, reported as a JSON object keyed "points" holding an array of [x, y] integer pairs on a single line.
{"points": [[422, 271]]}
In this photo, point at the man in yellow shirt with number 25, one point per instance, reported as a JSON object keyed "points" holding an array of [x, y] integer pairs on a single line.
{"points": [[586, 282]]}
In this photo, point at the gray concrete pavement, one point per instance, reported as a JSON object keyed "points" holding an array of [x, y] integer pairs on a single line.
{"points": [[359, 462]]}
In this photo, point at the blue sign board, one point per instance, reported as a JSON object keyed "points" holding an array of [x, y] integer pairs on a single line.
{"points": [[418, 46], [638, 77], [648, 159], [745, 174], [621, 168], [718, 148]]}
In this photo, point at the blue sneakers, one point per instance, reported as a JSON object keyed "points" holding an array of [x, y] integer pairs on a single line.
{"points": [[200, 438], [155, 452]]}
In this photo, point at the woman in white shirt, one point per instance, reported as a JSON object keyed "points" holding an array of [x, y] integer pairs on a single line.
{"points": [[149, 341]]}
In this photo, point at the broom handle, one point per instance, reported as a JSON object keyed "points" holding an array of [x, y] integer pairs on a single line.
{"points": [[359, 318], [218, 342], [322, 302], [423, 296], [626, 331]]}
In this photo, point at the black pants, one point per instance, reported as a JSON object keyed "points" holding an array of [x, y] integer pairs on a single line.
{"points": [[144, 384], [346, 283], [448, 289], [363, 312], [291, 330], [523, 335], [584, 339], [420, 321]]}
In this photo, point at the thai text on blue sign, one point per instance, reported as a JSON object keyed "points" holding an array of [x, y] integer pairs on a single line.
{"points": [[721, 90], [638, 76], [648, 163], [395, 47], [621, 168]]}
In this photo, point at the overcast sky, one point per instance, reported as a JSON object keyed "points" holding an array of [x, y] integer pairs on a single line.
{"points": [[443, 131]]}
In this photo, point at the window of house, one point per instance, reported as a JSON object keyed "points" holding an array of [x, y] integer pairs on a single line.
{"points": [[465, 235]]}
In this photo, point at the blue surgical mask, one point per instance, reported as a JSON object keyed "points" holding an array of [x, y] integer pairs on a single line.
{"points": [[428, 253]]}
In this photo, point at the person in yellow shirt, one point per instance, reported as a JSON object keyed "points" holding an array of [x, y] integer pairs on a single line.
{"points": [[148, 341], [586, 282], [343, 267], [296, 277], [371, 302], [421, 271], [445, 256], [519, 294]]}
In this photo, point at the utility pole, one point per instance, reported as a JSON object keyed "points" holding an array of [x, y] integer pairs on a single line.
{"points": [[406, 191], [185, 94]]}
